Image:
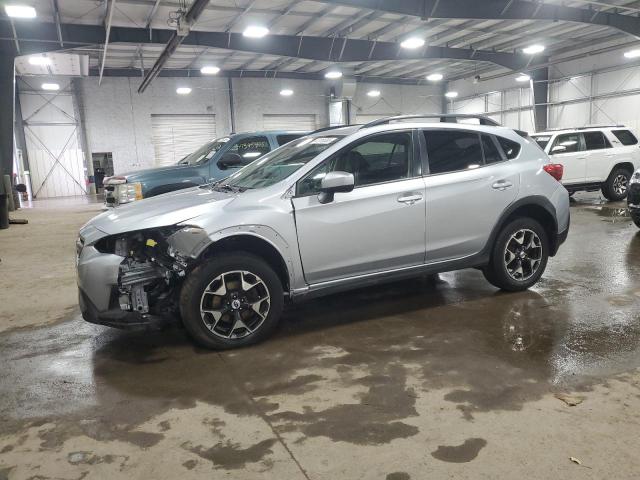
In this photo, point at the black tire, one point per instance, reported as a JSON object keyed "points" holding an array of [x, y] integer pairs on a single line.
{"points": [[202, 276], [635, 216], [496, 271], [609, 187]]}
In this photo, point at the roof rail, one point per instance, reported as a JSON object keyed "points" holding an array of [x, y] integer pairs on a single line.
{"points": [[444, 117], [324, 129], [583, 128]]}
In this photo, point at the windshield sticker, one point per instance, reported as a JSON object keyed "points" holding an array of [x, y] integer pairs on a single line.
{"points": [[324, 140]]}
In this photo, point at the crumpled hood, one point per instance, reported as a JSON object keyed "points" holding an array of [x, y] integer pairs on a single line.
{"points": [[161, 211]]}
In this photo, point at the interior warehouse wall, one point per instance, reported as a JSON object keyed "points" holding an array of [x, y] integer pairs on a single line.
{"points": [[118, 119], [393, 100], [601, 89], [254, 97], [503, 99]]}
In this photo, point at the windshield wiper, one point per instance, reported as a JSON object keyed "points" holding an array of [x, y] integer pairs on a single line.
{"points": [[227, 188]]}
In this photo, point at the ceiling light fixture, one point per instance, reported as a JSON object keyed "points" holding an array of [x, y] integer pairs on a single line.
{"points": [[286, 92], [209, 70], [632, 54], [50, 86], [255, 31], [451, 94], [412, 42], [435, 77], [533, 49], [373, 93], [40, 61], [183, 90], [20, 11], [333, 74], [523, 77]]}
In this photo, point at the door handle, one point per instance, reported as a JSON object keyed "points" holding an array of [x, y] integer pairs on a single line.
{"points": [[502, 185], [410, 199]]}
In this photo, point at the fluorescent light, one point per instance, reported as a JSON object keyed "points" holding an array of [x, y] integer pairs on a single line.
{"points": [[50, 86], [37, 60], [412, 42], [523, 78], [451, 94], [183, 90], [373, 93], [435, 77], [533, 49], [255, 31], [20, 11], [333, 74], [632, 54], [286, 92], [209, 70]]}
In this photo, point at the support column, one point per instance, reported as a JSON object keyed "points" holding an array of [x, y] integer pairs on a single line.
{"points": [[540, 86], [7, 97]]}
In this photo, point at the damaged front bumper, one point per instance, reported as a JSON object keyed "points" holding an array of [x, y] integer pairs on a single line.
{"points": [[132, 280]]}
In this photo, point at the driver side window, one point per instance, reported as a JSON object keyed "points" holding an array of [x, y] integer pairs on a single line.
{"points": [[377, 159]]}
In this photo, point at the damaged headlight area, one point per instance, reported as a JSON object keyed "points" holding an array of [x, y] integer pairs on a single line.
{"points": [[154, 266]]}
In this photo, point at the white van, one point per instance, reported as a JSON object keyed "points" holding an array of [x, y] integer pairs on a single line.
{"points": [[594, 158]]}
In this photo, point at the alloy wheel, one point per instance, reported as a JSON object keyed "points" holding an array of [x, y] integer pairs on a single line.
{"points": [[620, 184], [235, 304], [523, 254]]}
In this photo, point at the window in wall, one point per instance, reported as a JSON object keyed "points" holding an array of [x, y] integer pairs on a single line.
{"points": [[251, 148], [567, 143], [381, 158], [625, 137], [595, 141], [452, 150], [491, 153], [510, 148]]}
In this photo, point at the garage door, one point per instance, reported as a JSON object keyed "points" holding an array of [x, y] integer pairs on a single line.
{"points": [[175, 136], [362, 118], [305, 123]]}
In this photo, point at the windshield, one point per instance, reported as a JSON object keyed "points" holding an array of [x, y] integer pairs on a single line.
{"points": [[205, 152], [542, 140], [279, 164]]}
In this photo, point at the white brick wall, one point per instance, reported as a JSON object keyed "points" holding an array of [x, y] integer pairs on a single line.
{"points": [[118, 119]]}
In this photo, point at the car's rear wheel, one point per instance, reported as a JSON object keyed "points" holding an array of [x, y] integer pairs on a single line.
{"points": [[231, 301], [519, 255], [616, 186]]}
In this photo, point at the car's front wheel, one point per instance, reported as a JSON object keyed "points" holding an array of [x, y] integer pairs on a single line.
{"points": [[615, 188], [635, 216], [231, 301], [519, 255]]}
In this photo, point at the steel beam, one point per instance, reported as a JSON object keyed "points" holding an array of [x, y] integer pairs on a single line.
{"points": [[107, 27], [497, 10]]}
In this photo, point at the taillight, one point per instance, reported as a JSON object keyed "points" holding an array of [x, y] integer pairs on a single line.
{"points": [[555, 170]]}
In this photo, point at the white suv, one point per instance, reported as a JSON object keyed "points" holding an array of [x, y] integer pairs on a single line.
{"points": [[594, 158]]}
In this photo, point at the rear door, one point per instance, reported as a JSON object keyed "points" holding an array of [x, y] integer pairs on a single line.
{"points": [[470, 183], [568, 150], [601, 156]]}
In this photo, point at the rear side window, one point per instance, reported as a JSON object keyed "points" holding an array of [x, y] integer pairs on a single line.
{"points": [[491, 153], [510, 148], [282, 139], [595, 141], [625, 137], [452, 150]]}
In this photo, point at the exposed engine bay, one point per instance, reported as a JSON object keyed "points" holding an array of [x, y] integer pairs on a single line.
{"points": [[151, 273]]}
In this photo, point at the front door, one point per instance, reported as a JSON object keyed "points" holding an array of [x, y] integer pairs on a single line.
{"points": [[378, 226], [470, 183], [568, 150]]}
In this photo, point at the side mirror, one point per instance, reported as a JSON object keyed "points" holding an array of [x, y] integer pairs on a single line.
{"points": [[229, 160], [334, 182], [559, 149]]}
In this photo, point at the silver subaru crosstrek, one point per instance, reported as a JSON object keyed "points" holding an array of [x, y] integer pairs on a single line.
{"points": [[338, 209]]}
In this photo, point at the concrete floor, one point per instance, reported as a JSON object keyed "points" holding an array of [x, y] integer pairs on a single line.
{"points": [[419, 379]]}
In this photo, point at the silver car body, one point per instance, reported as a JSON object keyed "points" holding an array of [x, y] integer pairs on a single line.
{"points": [[387, 230]]}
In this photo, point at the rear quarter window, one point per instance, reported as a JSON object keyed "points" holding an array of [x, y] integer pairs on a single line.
{"points": [[510, 148], [625, 137]]}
